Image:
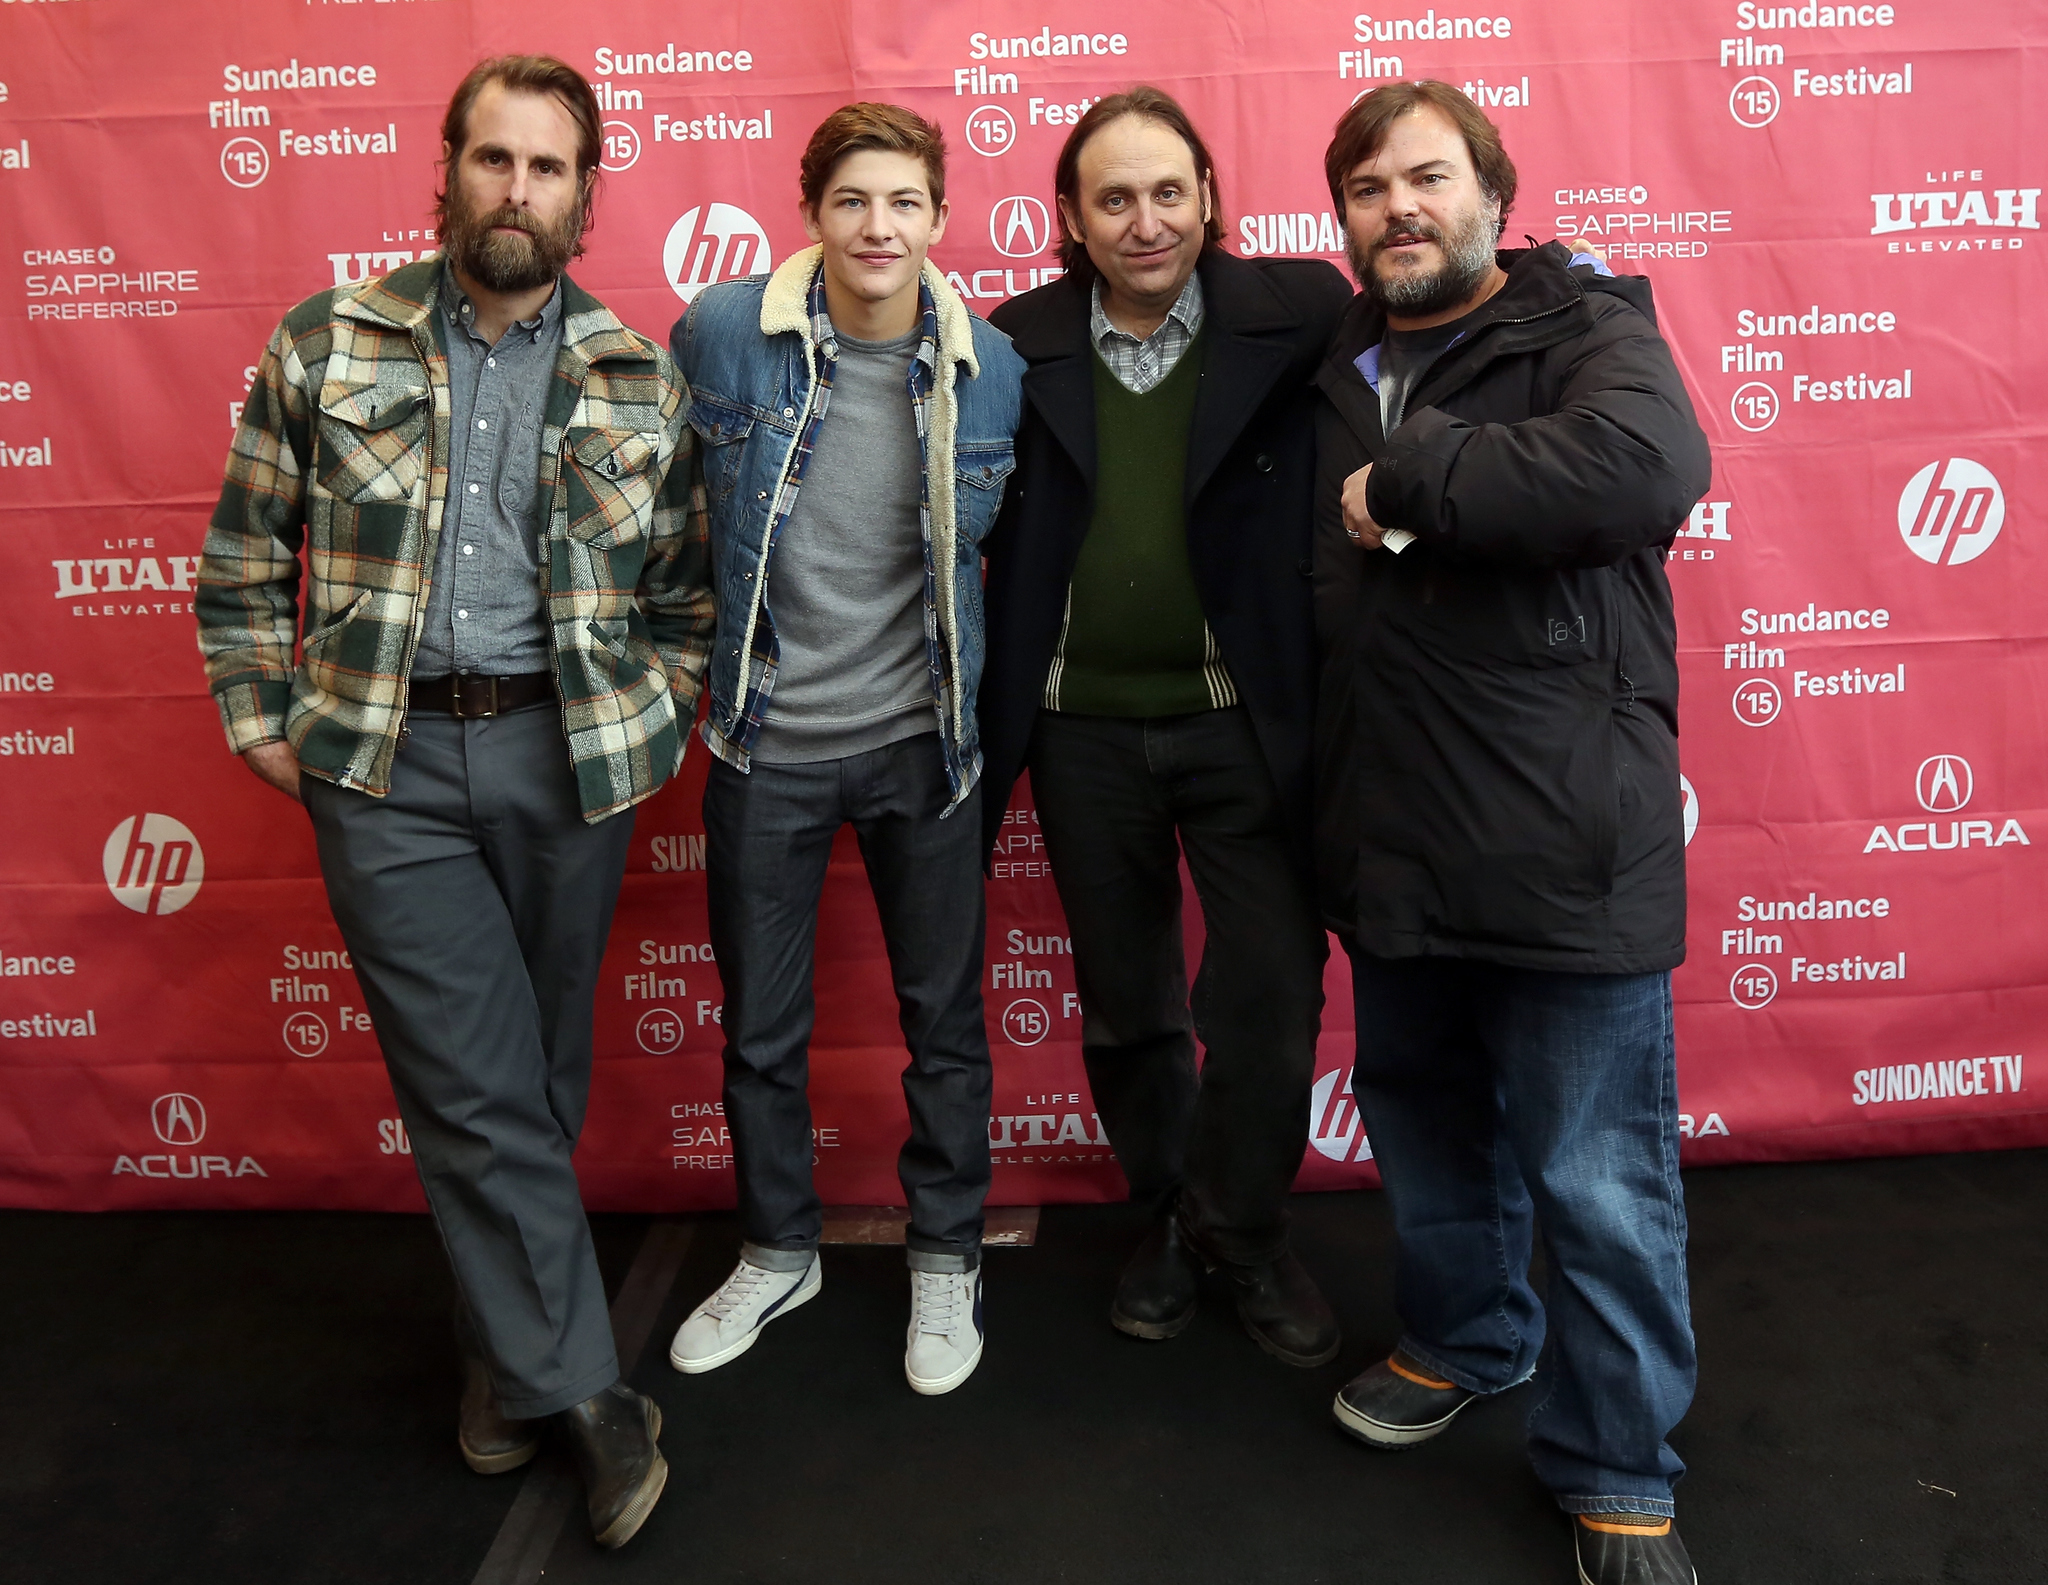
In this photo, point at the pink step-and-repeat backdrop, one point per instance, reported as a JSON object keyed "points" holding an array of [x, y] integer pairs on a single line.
{"points": [[1840, 206]]}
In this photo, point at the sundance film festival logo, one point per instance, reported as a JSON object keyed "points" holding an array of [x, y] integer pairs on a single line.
{"points": [[153, 864], [712, 243], [1950, 512], [1333, 1119], [1020, 227], [991, 130]]}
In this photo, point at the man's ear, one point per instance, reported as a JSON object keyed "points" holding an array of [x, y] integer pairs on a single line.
{"points": [[808, 213], [939, 218], [1070, 223], [1208, 200]]}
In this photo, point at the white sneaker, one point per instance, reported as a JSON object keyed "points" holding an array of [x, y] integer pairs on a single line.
{"points": [[945, 1330], [725, 1325]]}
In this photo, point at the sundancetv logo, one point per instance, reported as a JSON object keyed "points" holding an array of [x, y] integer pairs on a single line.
{"points": [[712, 243], [153, 864]]}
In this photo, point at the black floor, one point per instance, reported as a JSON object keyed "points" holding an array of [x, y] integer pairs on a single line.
{"points": [[197, 1398]]}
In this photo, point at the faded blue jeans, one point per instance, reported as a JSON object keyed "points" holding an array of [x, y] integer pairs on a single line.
{"points": [[1504, 1101]]}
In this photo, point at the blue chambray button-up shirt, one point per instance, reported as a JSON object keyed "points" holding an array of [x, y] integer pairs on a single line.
{"points": [[485, 610]]}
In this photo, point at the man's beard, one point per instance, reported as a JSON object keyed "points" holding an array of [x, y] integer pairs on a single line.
{"points": [[1468, 255], [502, 263]]}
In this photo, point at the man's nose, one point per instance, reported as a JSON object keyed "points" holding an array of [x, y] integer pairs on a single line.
{"points": [[1146, 222], [516, 190]]}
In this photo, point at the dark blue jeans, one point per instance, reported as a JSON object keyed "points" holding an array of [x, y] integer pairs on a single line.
{"points": [[1502, 1101], [768, 836]]}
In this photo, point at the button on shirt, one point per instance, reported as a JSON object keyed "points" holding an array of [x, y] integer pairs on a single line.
{"points": [[1139, 365], [485, 611]]}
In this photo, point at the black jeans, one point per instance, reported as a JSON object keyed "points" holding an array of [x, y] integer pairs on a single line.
{"points": [[768, 836], [1113, 795]]}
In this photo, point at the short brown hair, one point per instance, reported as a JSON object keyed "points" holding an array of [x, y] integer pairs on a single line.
{"points": [[1149, 104], [854, 129], [1362, 131], [529, 74]]}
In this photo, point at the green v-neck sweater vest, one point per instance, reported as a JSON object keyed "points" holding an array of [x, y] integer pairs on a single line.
{"points": [[1135, 640]]}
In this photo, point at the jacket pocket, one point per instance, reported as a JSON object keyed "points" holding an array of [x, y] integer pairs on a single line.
{"points": [[722, 431], [371, 444], [330, 662], [609, 476], [319, 636], [1487, 754], [612, 635], [983, 469]]}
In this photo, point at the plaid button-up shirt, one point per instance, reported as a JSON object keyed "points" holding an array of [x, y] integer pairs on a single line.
{"points": [[342, 455], [1140, 364]]}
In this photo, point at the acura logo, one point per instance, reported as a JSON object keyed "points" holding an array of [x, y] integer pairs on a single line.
{"points": [[1019, 227], [1944, 783], [178, 1119]]}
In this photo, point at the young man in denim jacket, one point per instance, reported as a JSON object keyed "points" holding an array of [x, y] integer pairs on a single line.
{"points": [[857, 424]]}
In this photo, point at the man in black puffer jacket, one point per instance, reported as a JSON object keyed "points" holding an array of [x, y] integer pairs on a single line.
{"points": [[1505, 450]]}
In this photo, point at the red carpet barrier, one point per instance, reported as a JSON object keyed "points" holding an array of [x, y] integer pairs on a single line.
{"points": [[1840, 206]]}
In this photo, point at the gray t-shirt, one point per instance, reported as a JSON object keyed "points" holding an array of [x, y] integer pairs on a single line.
{"points": [[1405, 357], [846, 585]]}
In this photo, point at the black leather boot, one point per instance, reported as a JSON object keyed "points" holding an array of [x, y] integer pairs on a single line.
{"points": [[1279, 1303], [1285, 1311], [1155, 1296], [491, 1442], [612, 1437]]}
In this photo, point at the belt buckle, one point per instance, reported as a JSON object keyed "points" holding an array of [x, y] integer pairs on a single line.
{"points": [[458, 697]]}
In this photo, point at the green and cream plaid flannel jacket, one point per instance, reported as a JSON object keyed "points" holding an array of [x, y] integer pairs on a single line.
{"points": [[341, 452]]}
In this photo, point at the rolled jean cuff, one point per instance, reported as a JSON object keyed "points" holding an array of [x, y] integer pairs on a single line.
{"points": [[1460, 1378], [774, 1257], [1593, 1507], [562, 1398], [941, 1259]]}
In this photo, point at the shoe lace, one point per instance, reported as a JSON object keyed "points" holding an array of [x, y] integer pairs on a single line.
{"points": [[739, 1290], [941, 1302]]}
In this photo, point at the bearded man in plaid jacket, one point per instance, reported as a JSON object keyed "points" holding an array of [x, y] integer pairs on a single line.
{"points": [[492, 654]]}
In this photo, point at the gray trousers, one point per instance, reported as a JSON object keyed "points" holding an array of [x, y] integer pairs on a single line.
{"points": [[475, 903]]}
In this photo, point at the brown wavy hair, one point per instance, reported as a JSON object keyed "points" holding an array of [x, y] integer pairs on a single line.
{"points": [[529, 74], [852, 129], [1362, 131]]}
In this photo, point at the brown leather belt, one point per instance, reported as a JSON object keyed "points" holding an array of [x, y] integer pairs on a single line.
{"points": [[467, 696]]}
